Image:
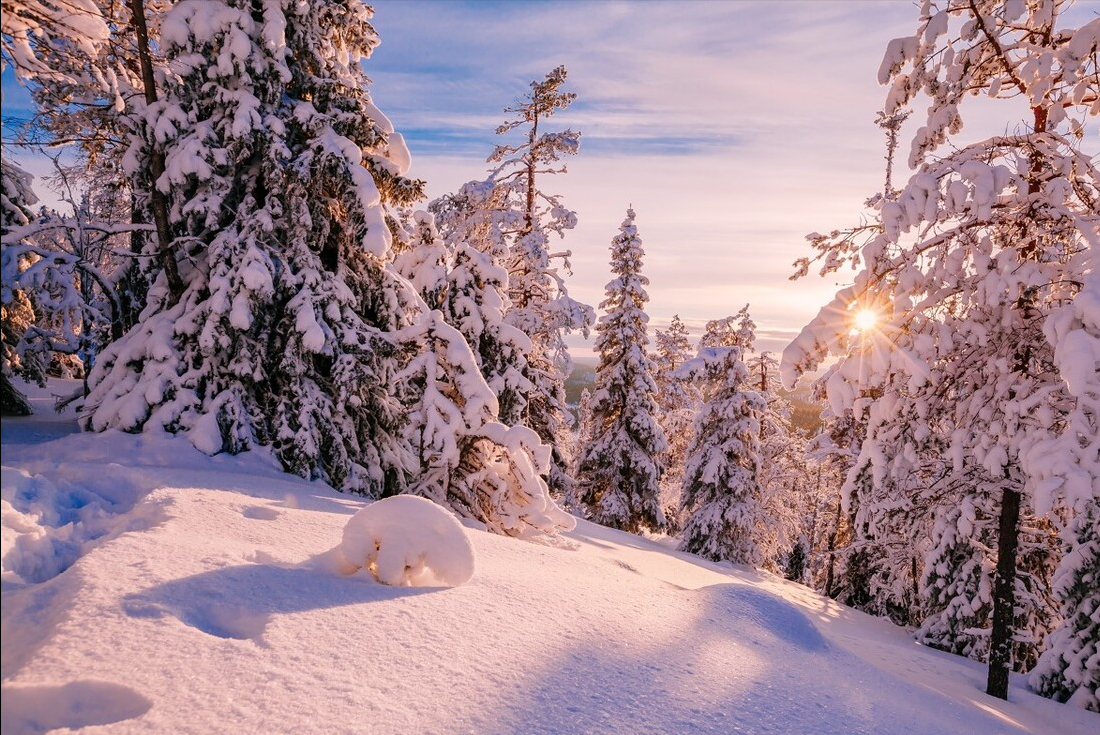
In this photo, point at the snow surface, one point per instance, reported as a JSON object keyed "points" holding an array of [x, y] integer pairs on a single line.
{"points": [[150, 588]]}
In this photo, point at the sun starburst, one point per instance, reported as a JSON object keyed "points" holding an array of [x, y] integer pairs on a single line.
{"points": [[864, 320]]}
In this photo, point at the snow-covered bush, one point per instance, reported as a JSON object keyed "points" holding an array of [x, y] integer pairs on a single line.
{"points": [[408, 541]]}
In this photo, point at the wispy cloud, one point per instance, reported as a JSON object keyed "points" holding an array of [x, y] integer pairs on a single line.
{"points": [[734, 128], [665, 77]]}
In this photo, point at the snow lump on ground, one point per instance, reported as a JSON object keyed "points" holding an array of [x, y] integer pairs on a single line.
{"points": [[407, 541]]}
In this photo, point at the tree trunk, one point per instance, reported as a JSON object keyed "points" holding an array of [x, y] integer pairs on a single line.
{"points": [[133, 288], [832, 551], [529, 211], [1008, 533], [1004, 595], [157, 200]]}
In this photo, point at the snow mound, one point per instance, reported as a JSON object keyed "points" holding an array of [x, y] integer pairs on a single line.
{"points": [[772, 616], [408, 541]]}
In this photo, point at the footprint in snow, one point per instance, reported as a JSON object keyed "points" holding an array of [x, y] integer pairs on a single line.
{"points": [[260, 513], [220, 620], [30, 710]]}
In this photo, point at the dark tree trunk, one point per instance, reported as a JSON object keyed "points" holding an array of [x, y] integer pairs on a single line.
{"points": [[1004, 595], [133, 287], [832, 552], [158, 202]]}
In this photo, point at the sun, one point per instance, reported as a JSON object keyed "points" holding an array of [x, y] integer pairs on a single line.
{"points": [[864, 320]]}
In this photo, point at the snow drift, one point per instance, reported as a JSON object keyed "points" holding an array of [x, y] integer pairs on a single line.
{"points": [[195, 604]]}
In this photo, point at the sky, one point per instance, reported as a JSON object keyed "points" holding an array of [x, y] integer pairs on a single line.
{"points": [[733, 127]]}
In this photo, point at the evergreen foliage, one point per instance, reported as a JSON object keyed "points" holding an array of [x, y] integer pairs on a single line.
{"points": [[678, 400], [1069, 668], [16, 312], [539, 305], [722, 494], [620, 466], [466, 458], [278, 167], [782, 467], [473, 223]]}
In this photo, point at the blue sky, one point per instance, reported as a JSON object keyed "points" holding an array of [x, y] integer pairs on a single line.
{"points": [[733, 128]]}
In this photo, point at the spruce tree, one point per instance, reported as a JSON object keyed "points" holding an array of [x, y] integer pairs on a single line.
{"points": [[619, 471], [538, 301], [678, 400], [278, 167], [722, 494]]}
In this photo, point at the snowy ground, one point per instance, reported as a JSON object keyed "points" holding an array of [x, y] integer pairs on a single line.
{"points": [[148, 588]]}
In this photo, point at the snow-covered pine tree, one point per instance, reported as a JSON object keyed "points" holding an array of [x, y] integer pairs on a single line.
{"points": [[619, 470], [278, 169], [722, 494], [984, 244], [538, 301], [957, 581], [1069, 670], [782, 468], [467, 459], [16, 312], [472, 223], [678, 402]]}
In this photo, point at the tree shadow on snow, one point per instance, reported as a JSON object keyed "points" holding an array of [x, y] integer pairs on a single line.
{"points": [[747, 662], [239, 602]]}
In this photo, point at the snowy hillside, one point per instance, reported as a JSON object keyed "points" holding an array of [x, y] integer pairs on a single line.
{"points": [[149, 588]]}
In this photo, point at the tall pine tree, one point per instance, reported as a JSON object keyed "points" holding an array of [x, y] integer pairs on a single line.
{"points": [[539, 304], [620, 468]]}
